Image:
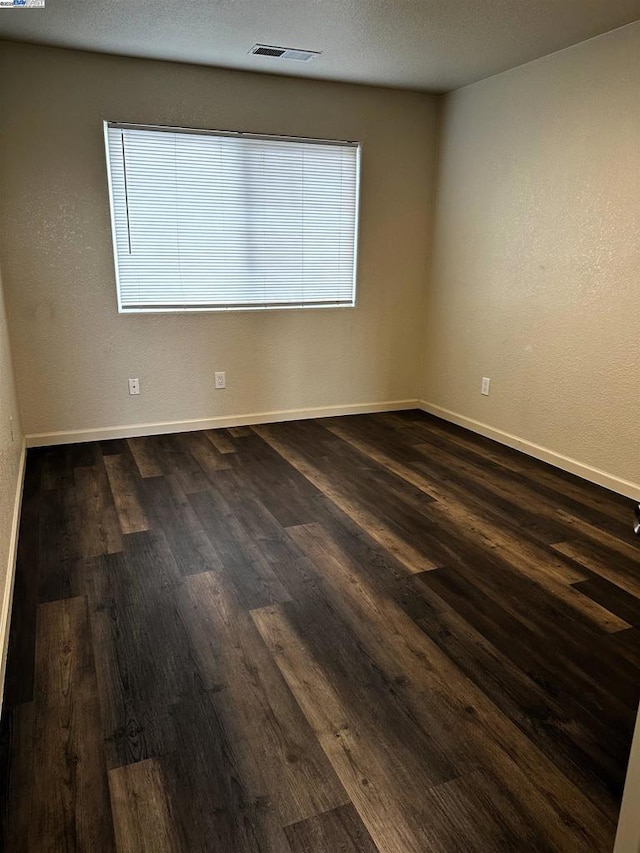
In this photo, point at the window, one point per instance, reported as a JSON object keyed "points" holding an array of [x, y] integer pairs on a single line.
{"points": [[208, 220]]}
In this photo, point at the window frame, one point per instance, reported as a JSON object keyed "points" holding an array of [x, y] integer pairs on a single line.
{"points": [[192, 309]]}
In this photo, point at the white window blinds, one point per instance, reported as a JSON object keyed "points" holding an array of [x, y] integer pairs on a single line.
{"points": [[212, 221]]}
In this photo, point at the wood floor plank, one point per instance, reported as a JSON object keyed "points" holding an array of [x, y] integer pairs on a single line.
{"points": [[260, 526], [521, 467], [122, 479], [502, 497], [584, 756], [205, 453], [218, 807], [486, 727], [627, 644], [18, 805], [57, 470], [361, 765], [531, 605], [414, 560], [525, 614], [170, 512], [618, 569], [553, 722], [481, 816], [142, 814], [376, 794], [114, 446], [278, 746], [84, 454], [596, 534], [600, 687], [242, 558], [96, 523], [511, 496], [144, 453], [143, 657], [451, 480], [337, 831], [220, 441], [69, 806], [240, 432], [355, 605], [614, 598], [59, 545], [513, 487], [526, 557], [180, 468], [290, 496]]}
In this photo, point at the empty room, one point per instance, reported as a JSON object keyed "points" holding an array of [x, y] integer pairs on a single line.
{"points": [[319, 456]]}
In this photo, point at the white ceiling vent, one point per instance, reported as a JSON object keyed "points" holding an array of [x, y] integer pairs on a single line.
{"points": [[284, 52]]}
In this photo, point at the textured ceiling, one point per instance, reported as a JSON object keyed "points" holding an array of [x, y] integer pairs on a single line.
{"points": [[433, 45]]}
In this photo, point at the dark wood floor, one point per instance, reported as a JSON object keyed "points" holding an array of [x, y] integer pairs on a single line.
{"points": [[373, 633]]}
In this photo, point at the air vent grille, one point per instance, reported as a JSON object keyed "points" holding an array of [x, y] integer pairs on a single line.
{"points": [[284, 52], [268, 51]]}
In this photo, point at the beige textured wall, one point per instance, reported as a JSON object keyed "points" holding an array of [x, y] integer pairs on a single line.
{"points": [[73, 353], [537, 254], [10, 449], [628, 834]]}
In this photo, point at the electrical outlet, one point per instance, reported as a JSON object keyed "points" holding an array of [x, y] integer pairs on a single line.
{"points": [[134, 386], [485, 386], [221, 379]]}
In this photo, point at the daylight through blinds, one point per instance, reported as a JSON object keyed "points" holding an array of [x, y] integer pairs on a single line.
{"points": [[205, 220]]}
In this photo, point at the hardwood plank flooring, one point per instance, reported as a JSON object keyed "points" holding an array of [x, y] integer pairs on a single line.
{"points": [[358, 634], [66, 737], [142, 815], [340, 830]]}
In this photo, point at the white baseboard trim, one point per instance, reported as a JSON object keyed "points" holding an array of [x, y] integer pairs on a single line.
{"points": [[566, 463], [5, 612], [132, 430]]}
